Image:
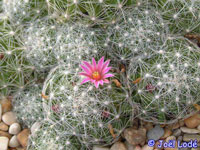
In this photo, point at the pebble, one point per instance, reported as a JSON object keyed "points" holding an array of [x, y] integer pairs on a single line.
{"points": [[147, 147], [148, 126], [189, 137], [137, 147], [15, 128], [189, 130], [180, 138], [129, 146], [198, 128], [167, 133], [9, 118], [171, 138], [156, 133], [3, 127], [118, 146], [35, 127], [96, 147], [193, 121], [177, 132], [134, 136], [23, 137], [4, 143], [14, 142], [6, 105], [6, 134], [0, 112]]}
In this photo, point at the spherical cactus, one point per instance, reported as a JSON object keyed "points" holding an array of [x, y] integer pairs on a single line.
{"points": [[89, 11], [28, 105], [16, 72], [47, 137], [182, 16], [21, 11], [50, 43], [84, 110], [138, 35], [169, 81]]}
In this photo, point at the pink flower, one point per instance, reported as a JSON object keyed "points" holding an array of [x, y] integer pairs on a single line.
{"points": [[96, 73], [56, 108]]}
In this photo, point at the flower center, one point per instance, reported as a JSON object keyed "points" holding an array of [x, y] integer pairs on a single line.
{"points": [[96, 75]]}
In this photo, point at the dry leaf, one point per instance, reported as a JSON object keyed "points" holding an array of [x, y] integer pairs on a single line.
{"points": [[44, 96], [111, 131], [117, 83], [137, 80], [197, 106]]}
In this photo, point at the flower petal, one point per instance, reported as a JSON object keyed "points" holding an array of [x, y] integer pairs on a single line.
{"points": [[84, 74], [106, 80], [85, 69], [94, 64], [108, 75], [106, 70], [85, 80], [100, 63], [105, 65], [101, 82], [96, 84], [88, 65]]}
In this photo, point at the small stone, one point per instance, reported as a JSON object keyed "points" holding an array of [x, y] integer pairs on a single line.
{"points": [[15, 128], [198, 128], [134, 136], [148, 126], [129, 146], [193, 121], [4, 143], [9, 118], [23, 137], [14, 142], [157, 144], [176, 132], [147, 147], [175, 126], [6, 105], [189, 137], [118, 146], [180, 138], [181, 123], [137, 147], [170, 138], [3, 127], [35, 127], [176, 144], [156, 133], [96, 147], [189, 130], [167, 133], [6, 134], [0, 112]]}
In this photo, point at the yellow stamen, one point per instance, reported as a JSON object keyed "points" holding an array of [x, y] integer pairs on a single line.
{"points": [[96, 75]]}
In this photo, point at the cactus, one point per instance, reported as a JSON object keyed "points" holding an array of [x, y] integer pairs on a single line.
{"points": [[50, 44], [47, 137], [28, 105], [16, 72], [83, 110], [182, 15], [170, 82], [138, 36], [89, 11], [18, 12]]}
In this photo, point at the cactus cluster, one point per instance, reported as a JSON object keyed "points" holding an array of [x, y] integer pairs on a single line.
{"points": [[83, 110], [156, 68], [48, 43]]}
